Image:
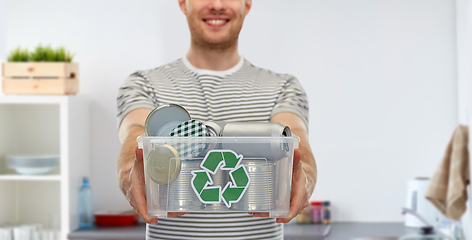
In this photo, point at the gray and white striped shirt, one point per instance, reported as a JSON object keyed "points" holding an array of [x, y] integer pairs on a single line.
{"points": [[243, 93]]}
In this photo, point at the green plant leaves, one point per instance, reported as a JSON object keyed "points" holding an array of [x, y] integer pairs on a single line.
{"points": [[18, 55], [41, 54]]}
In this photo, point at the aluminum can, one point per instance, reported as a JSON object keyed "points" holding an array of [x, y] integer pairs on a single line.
{"points": [[273, 151], [215, 128]]}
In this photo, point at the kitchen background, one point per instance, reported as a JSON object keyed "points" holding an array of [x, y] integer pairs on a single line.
{"points": [[382, 78]]}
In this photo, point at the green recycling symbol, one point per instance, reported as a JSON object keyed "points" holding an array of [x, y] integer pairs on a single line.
{"points": [[234, 190]]}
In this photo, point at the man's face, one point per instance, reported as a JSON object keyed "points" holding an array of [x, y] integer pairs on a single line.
{"points": [[215, 23]]}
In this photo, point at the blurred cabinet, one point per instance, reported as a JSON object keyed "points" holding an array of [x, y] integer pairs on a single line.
{"points": [[44, 125]]}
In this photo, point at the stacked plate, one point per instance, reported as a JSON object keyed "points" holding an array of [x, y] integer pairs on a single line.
{"points": [[33, 164]]}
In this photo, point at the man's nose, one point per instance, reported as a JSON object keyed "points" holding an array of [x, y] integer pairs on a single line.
{"points": [[217, 5]]}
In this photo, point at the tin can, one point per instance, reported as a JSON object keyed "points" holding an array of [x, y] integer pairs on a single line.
{"points": [[163, 119], [181, 197], [273, 151], [260, 195], [220, 178]]}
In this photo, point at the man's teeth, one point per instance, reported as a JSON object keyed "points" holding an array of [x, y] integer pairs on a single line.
{"points": [[216, 21]]}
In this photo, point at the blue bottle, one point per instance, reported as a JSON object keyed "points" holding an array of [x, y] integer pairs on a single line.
{"points": [[85, 205]]}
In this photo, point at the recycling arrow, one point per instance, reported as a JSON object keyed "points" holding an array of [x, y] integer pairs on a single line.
{"points": [[233, 191], [215, 158], [200, 181]]}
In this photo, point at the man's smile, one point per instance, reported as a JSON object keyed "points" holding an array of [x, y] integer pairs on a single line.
{"points": [[216, 22]]}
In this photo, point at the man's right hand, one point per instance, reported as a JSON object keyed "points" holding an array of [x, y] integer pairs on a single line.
{"points": [[131, 172], [135, 188]]}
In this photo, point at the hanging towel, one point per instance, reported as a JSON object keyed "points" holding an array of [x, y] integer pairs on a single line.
{"points": [[448, 187]]}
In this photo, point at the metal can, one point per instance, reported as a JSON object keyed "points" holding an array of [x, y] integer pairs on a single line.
{"points": [[260, 195], [163, 119], [220, 178], [215, 128], [181, 197], [273, 151]]}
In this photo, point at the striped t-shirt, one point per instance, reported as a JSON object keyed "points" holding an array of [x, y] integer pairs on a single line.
{"points": [[242, 93]]}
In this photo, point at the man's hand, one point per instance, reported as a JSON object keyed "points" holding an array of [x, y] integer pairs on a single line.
{"points": [[130, 169], [299, 195], [135, 190]]}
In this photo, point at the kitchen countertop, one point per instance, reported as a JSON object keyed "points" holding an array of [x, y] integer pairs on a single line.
{"points": [[292, 231]]}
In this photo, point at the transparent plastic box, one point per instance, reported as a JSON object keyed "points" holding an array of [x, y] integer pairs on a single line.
{"points": [[218, 174]]}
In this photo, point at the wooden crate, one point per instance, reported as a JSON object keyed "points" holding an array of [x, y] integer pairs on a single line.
{"points": [[40, 78]]}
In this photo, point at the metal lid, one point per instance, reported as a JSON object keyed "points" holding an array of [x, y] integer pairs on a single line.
{"points": [[163, 119], [163, 164], [215, 128]]}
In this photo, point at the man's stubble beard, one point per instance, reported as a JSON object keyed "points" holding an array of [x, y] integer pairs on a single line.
{"points": [[199, 40]]}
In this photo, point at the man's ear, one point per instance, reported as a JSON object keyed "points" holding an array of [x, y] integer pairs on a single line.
{"points": [[182, 6], [248, 6]]}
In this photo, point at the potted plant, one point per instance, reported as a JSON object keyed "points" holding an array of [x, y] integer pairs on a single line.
{"points": [[44, 71]]}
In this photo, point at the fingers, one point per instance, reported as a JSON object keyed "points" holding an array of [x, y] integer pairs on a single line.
{"points": [[297, 156], [260, 214], [299, 195], [139, 164], [138, 201], [139, 153], [295, 209], [137, 189], [175, 214], [298, 198]]}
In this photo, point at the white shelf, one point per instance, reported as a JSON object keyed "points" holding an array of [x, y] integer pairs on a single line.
{"points": [[31, 124], [39, 99], [17, 177]]}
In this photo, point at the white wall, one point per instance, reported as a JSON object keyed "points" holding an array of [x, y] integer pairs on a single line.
{"points": [[464, 70], [2, 30], [2, 35], [380, 75]]}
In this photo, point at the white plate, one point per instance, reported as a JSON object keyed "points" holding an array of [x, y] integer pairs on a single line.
{"points": [[32, 164]]}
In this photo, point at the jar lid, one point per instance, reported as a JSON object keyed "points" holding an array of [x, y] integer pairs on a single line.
{"points": [[316, 203], [163, 164], [326, 203]]}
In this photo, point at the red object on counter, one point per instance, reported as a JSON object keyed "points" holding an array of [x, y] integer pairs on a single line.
{"points": [[116, 219]]}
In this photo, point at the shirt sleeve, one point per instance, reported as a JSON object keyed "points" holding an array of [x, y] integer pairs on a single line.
{"points": [[134, 93], [293, 99]]}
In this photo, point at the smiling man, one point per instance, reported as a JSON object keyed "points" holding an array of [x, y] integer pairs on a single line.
{"points": [[214, 83]]}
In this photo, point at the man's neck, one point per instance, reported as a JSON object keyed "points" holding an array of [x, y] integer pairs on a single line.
{"points": [[213, 59]]}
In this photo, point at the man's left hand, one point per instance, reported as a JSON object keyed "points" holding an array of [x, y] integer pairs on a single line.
{"points": [[299, 194]]}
